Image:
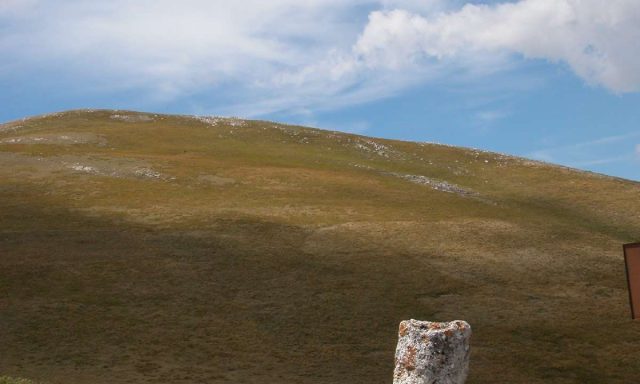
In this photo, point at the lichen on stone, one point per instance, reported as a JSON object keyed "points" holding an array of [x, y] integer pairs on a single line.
{"points": [[432, 353]]}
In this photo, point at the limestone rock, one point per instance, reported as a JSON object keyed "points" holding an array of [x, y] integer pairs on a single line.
{"points": [[432, 353]]}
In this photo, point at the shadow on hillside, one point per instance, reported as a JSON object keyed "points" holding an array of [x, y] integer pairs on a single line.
{"points": [[100, 301]]}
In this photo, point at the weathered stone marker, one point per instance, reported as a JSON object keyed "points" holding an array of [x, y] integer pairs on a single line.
{"points": [[432, 353]]}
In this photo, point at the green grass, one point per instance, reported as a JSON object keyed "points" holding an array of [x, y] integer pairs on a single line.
{"points": [[300, 265]]}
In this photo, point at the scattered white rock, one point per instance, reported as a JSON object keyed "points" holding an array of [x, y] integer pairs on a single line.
{"points": [[377, 148], [84, 168], [361, 166], [301, 135], [372, 146], [438, 185], [70, 138], [432, 353], [10, 127], [121, 168], [131, 118], [214, 121], [148, 173]]}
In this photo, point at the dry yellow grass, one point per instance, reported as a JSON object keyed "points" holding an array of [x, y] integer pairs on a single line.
{"points": [[169, 249]]}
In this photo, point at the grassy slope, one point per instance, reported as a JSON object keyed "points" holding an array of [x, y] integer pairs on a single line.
{"points": [[271, 253]]}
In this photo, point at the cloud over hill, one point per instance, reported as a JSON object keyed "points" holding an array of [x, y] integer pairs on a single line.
{"points": [[287, 55]]}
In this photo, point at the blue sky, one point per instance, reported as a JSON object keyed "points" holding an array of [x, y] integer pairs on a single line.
{"points": [[554, 80]]}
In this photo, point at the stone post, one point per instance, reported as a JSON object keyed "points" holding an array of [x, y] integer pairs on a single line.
{"points": [[432, 353]]}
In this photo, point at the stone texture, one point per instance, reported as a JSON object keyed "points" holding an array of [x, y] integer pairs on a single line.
{"points": [[432, 353]]}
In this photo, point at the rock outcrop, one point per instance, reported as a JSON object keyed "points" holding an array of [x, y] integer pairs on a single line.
{"points": [[432, 353]]}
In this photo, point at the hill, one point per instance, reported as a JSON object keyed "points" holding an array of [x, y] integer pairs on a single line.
{"points": [[146, 248]]}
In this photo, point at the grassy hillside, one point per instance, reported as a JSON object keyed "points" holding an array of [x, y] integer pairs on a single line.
{"points": [[142, 248]]}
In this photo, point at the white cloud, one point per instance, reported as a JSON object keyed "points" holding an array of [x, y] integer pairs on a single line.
{"points": [[597, 39], [491, 116], [183, 44], [296, 55]]}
